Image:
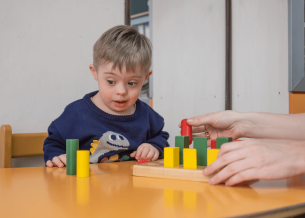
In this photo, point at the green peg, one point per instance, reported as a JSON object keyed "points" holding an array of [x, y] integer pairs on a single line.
{"points": [[200, 144], [222, 140], [181, 142], [72, 145]]}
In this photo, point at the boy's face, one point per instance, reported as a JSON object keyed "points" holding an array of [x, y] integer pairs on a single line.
{"points": [[118, 90]]}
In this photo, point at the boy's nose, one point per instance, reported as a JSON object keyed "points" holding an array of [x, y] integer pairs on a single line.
{"points": [[121, 89]]}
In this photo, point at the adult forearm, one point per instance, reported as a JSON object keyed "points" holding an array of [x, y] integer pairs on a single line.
{"points": [[273, 126]]}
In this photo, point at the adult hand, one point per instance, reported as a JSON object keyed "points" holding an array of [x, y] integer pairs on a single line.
{"points": [[257, 159], [218, 124]]}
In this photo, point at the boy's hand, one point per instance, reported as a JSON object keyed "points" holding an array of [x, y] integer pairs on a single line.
{"points": [[59, 161], [145, 152]]}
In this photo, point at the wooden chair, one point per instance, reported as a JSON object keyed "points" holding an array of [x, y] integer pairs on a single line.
{"points": [[19, 145]]}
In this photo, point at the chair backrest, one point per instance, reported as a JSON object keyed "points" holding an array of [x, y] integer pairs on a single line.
{"points": [[19, 145]]}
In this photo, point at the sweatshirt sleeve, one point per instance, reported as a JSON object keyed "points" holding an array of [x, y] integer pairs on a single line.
{"points": [[156, 136], [54, 145]]}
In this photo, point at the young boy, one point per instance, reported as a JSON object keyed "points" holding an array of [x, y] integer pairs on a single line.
{"points": [[112, 120]]}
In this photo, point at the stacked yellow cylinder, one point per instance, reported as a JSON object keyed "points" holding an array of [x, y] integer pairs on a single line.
{"points": [[82, 168]]}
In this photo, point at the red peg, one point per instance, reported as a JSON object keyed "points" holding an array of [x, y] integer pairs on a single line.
{"points": [[213, 144], [143, 161], [186, 130]]}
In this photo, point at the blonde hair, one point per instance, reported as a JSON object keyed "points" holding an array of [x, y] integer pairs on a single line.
{"points": [[123, 46]]}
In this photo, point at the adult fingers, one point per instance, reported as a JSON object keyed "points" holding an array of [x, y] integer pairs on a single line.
{"points": [[231, 170], [198, 129], [225, 159], [231, 146], [199, 135], [206, 119], [49, 163], [57, 162], [156, 156], [249, 174], [63, 159]]}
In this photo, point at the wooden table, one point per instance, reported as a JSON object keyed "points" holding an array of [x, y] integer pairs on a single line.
{"points": [[112, 191]]}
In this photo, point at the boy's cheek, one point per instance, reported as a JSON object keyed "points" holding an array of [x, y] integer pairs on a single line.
{"points": [[106, 96], [135, 94]]}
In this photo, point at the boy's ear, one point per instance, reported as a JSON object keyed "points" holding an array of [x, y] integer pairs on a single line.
{"points": [[148, 74], [93, 71]]}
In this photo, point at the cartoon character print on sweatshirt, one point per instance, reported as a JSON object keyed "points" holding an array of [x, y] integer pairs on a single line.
{"points": [[110, 141]]}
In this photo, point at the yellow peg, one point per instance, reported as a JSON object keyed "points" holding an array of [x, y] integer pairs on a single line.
{"points": [[190, 158], [171, 157], [212, 156], [82, 167]]}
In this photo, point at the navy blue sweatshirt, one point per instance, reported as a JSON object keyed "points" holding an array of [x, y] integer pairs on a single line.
{"points": [[115, 135]]}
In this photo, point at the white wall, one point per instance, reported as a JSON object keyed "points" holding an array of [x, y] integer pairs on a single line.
{"points": [[188, 59], [260, 55], [45, 50]]}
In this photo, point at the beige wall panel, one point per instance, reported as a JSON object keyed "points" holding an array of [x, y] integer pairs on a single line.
{"points": [[188, 59], [260, 55]]}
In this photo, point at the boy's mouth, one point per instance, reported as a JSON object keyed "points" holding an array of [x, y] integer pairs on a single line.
{"points": [[119, 103]]}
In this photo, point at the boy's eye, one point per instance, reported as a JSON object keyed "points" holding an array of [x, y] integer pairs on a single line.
{"points": [[132, 83], [110, 82]]}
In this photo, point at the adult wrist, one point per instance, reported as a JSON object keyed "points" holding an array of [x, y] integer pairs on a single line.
{"points": [[247, 126]]}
